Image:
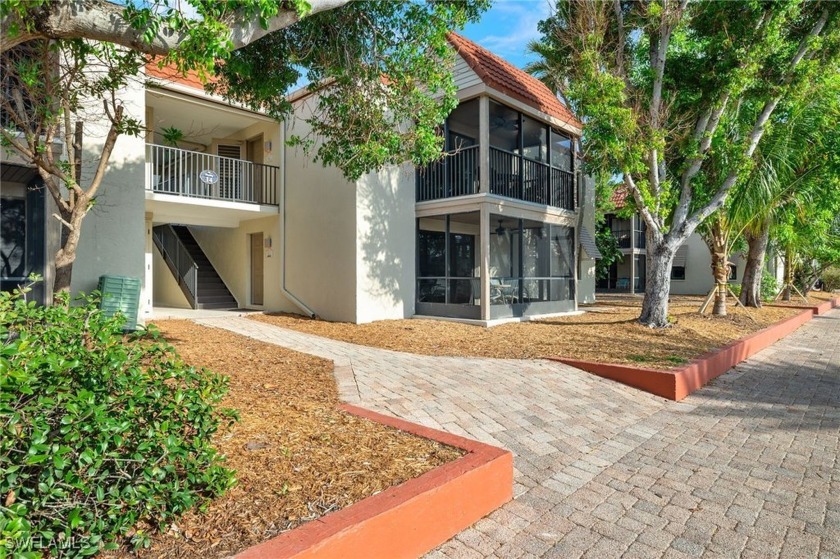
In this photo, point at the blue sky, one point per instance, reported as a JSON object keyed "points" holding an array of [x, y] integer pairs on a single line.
{"points": [[507, 27]]}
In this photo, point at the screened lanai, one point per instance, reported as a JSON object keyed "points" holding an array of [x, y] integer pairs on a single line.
{"points": [[502, 266]]}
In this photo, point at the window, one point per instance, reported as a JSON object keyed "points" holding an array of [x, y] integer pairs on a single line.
{"points": [[446, 259], [13, 238], [504, 128], [733, 272], [22, 233], [678, 273], [462, 125], [432, 253], [561, 151], [534, 142]]}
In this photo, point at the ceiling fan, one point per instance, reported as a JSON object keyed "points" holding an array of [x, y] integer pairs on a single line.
{"points": [[500, 230]]}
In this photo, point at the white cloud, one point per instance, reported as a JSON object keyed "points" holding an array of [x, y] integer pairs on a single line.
{"points": [[520, 17]]}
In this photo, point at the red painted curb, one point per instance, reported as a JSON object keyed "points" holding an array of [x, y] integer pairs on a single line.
{"points": [[410, 519], [822, 308], [678, 383]]}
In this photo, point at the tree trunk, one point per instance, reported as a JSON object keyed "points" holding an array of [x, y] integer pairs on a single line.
{"points": [[66, 255], [788, 274], [720, 269], [63, 275], [754, 267], [660, 258]]}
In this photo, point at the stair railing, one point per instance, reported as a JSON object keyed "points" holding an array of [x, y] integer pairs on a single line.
{"points": [[178, 258]]}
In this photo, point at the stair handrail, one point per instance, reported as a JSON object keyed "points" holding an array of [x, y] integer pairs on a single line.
{"points": [[179, 260]]}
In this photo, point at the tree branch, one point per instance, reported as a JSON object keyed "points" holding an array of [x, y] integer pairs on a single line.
{"points": [[103, 21]]}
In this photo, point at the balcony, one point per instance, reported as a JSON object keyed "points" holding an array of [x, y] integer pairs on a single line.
{"points": [[192, 174], [511, 176], [537, 182], [623, 236]]}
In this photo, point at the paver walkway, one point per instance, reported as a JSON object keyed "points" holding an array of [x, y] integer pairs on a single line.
{"points": [[746, 467]]}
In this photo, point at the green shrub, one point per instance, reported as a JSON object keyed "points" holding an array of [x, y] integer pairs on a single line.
{"points": [[831, 279], [769, 286], [105, 435]]}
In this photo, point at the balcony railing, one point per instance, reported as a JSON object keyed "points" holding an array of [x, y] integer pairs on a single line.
{"points": [[454, 175], [540, 183], [623, 238], [201, 175], [511, 175]]}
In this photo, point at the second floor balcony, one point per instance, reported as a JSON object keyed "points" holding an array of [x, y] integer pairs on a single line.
{"points": [[525, 159], [182, 172]]}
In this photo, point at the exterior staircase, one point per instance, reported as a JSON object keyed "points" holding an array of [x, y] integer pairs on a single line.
{"points": [[194, 272]]}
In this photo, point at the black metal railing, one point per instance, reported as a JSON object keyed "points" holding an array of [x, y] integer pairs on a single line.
{"points": [[511, 176], [622, 236], [202, 175], [178, 258], [454, 175], [562, 189], [537, 182]]}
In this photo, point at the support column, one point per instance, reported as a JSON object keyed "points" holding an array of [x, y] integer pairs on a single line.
{"points": [[147, 293], [484, 144], [484, 268]]}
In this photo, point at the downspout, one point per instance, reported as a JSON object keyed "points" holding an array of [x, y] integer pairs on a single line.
{"points": [[288, 294]]}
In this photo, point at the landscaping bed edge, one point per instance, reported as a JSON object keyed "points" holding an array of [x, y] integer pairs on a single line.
{"points": [[409, 519], [676, 384]]}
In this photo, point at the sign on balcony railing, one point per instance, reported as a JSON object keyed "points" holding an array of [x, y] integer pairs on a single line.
{"points": [[202, 175]]}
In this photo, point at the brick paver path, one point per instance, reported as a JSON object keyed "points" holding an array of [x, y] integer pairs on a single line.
{"points": [[746, 467]]}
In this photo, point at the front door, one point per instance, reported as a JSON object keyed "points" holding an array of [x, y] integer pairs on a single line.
{"points": [[257, 260], [255, 155]]}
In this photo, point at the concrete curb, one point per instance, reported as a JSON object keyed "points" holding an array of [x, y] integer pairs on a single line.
{"points": [[412, 518], [676, 384]]}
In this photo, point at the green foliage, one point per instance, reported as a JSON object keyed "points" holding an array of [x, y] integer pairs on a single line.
{"points": [[373, 65], [769, 286], [677, 96], [105, 436], [831, 279], [608, 247], [172, 135]]}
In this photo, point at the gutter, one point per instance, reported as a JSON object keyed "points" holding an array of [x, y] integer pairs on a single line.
{"points": [[288, 294]]}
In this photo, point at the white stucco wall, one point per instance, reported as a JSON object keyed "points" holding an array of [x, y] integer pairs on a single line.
{"points": [[385, 244], [113, 234], [167, 293], [320, 245], [698, 269]]}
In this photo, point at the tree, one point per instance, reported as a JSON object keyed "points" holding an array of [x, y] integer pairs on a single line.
{"points": [[791, 154], [797, 159], [382, 70], [655, 82], [807, 231]]}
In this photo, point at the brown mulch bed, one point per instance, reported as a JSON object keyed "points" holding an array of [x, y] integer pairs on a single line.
{"points": [[296, 456], [607, 332], [814, 298]]}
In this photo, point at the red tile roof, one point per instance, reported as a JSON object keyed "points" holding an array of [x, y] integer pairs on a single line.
{"points": [[510, 80], [619, 196], [170, 74]]}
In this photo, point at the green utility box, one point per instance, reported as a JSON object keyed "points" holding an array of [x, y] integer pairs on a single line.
{"points": [[120, 294]]}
